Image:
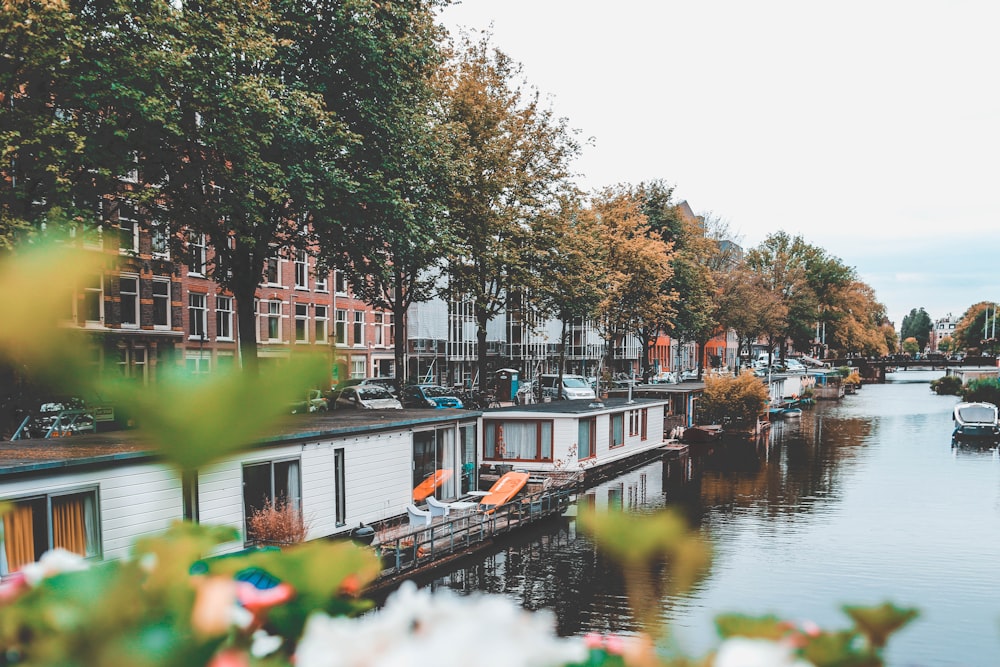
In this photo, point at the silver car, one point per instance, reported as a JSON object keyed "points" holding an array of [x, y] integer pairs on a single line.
{"points": [[367, 397]]}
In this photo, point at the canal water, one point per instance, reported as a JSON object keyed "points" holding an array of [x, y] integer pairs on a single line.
{"points": [[859, 501]]}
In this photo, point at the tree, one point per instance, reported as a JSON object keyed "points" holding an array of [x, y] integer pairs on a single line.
{"points": [[911, 345], [566, 269], [635, 267], [734, 401], [780, 262], [515, 157], [917, 325], [402, 230], [976, 327]]}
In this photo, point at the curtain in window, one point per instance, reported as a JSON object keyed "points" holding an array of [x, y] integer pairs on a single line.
{"points": [[546, 433], [294, 486], [617, 429], [519, 440], [68, 526], [446, 461], [90, 525], [583, 439], [19, 537]]}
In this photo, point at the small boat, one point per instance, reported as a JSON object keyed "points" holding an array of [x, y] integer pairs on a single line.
{"points": [[791, 412], [702, 433], [503, 490], [976, 420], [430, 484]]}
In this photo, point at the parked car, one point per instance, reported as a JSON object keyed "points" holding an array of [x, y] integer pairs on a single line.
{"points": [[367, 397], [574, 387], [314, 402], [388, 383], [429, 396]]}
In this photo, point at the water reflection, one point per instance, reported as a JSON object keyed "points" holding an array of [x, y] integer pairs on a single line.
{"points": [[858, 501]]}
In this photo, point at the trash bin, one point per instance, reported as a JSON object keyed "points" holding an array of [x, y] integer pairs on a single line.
{"points": [[506, 384]]}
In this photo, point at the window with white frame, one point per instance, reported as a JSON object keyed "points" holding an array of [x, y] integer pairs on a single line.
{"points": [[93, 299], [379, 330], [340, 326], [390, 330], [302, 323], [224, 317], [273, 321], [132, 174], [272, 271], [270, 483], [359, 367], [322, 320], [198, 362], [339, 282], [197, 315], [128, 227], [161, 303], [159, 234], [197, 254], [527, 440], [301, 270], [132, 363], [322, 281], [128, 293], [359, 327], [36, 524]]}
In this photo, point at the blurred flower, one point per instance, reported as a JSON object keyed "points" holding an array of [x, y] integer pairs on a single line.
{"points": [[214, 606], [746, 652], [264, 644], [417, 628], [230, 658], [52, 562], [12, 586]]}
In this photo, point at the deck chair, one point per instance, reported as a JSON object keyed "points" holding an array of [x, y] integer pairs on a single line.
{"points": [[418, 517], [437, 508]]}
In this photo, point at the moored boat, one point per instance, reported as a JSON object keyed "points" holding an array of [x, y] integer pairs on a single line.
{"points": [[976, 420]]}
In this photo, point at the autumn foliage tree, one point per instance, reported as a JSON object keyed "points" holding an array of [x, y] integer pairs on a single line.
{"points": [[514, 167]]}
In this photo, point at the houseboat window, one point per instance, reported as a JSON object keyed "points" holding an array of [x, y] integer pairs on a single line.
{"points": [[38, 524], [585, 440], [339, 489], [433, 451], [617, 436], [273, 482], [467, 434], [638, 422], [518, 440], [644, 424]]}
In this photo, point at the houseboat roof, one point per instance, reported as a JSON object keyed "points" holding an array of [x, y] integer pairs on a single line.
{"points": [[24, 456], [655, 390], [576, 407]]}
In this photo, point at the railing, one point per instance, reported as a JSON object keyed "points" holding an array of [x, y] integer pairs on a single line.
{"points": [[418, 546]]}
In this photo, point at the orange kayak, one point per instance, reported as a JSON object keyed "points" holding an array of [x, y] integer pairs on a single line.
{"points": [[430, 483], [503, 490]]}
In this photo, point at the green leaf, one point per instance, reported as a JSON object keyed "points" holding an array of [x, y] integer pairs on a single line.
{"points": [[878, 623]]}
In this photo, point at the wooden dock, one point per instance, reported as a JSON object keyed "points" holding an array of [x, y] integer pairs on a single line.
{"points": [[408, 550]]}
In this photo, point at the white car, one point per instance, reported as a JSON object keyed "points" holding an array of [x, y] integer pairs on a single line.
{"points": [[367, 397], [574, 387]]}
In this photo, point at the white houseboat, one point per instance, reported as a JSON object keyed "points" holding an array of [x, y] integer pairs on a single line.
{"points": [[585, 437], [96, 494]]}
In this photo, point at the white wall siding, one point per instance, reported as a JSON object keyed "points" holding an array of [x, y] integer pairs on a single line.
{"points": [[134, 500], [379, 475]]}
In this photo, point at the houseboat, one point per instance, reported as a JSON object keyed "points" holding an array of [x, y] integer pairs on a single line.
{"points": [[95, 494], [584, 439]]}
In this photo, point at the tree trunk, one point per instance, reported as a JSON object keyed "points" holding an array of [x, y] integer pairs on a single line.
{"points": [[481, 320], [246, 320], [562, 357], [399, 343]]}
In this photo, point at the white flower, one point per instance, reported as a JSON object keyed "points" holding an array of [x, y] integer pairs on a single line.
{"points": [[746, 652], [417, 628], [264, 644], [51, 563]]}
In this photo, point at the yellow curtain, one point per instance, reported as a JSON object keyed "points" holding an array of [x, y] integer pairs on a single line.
{"points": [[68, 529], [19, 537]]}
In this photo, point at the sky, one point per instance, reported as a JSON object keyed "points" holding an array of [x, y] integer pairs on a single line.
{"points": [[870, 128]]}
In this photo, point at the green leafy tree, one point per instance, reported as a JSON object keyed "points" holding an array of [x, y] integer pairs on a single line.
{"points": [[390, 60], [976, 328], [514, 167], [917, 324]]}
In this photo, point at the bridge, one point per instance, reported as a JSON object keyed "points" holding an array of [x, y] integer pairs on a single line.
{"points": [[875, 369]]}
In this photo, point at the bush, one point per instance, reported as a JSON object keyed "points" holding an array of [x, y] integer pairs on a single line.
{"points": [[277, 523], [948, 385], [986, 390], [732, 400]]}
